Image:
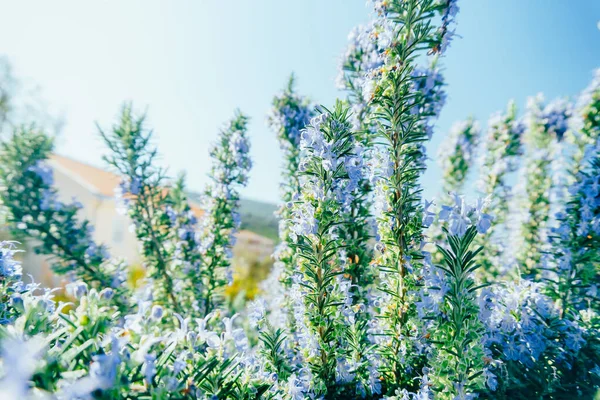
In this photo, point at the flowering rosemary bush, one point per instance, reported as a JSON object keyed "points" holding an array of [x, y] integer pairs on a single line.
{"points": [[375, 293]]}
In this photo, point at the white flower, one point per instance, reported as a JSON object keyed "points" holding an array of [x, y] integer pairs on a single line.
{"points": [[295, 388], [20, 358]]}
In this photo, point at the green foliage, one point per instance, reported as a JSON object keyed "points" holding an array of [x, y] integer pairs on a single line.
{"points": [[459, 360], [35, 211], [132, 156]]}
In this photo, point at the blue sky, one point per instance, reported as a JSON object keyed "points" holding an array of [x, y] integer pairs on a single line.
{"points": [[191, 63]]}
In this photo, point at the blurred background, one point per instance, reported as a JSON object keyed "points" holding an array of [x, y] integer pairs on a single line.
{"points": [[69, 65]]}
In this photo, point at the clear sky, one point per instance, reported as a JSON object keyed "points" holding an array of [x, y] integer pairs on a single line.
{"points": [[191, 63]]}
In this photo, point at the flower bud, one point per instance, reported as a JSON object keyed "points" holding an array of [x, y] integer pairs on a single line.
{"points": [[16, 301], [156, 313], [107, 294], [77, 289]]}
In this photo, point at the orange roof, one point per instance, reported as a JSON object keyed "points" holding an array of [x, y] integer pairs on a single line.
{"points": [[101, 181]]}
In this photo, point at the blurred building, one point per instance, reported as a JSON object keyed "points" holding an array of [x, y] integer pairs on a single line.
{"points": [[94, 188]]}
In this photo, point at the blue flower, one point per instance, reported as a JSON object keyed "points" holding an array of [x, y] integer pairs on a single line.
{"points": [[149, 368], [44, 172], [77, 289]]}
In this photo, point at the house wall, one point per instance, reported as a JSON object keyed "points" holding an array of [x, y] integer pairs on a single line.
{"points": [[113, 230], [110, 228]]}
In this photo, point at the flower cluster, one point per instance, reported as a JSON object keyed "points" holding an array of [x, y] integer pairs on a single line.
{"points": [[500, 152], [403, 95], [456, 154], [462, 215], [330, 168], [573, 273], [550, 120], [290, 114], [501, 147], [546, 127], [364, 55], [585, 123], [446, 31], [526, 338], [221, 201]]}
